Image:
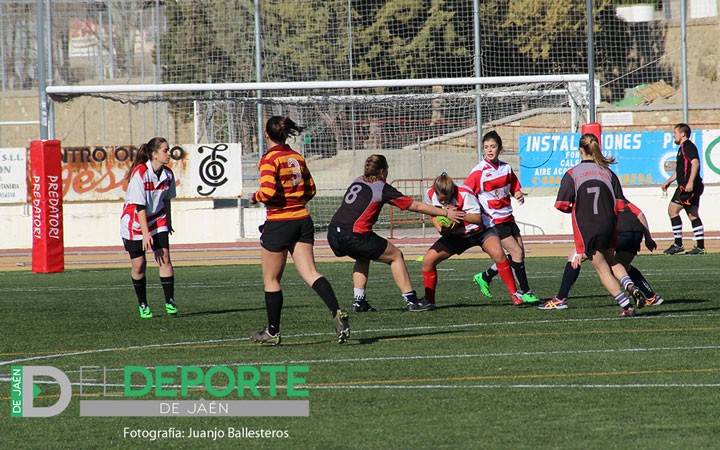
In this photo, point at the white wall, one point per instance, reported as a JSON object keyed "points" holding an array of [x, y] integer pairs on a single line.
{"points": [[98, 224], [196, 222]]}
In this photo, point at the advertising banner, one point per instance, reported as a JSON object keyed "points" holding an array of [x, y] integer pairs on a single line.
{"points": [[201, 171], [13, 175], [643, 157]]}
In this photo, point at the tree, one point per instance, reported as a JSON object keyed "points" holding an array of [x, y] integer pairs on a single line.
{"points": [[412, 39]]}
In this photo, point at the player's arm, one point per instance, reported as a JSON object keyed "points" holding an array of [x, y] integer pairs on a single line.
{"points": [[455, 215], [620, 201], [268, 188], [694, 170], [566, 194], [168, 216], [476, 219], [308, 184], [515, 188], [473, 180], [519, 197], [649, 241], [142, 220], [668, 182]]}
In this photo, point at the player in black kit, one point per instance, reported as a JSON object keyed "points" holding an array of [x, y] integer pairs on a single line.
{"points": [[591, 192], [350, 232], [687, 194]]}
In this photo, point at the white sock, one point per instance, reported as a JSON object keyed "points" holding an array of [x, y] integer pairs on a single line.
{"points": [[359, 293]]}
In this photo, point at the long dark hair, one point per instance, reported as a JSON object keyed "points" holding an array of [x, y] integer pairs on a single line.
{"points": [[279, 128], [373, 166], [144, 153], [494, 136]]}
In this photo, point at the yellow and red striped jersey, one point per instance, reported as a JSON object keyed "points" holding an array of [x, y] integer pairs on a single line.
{"points": [[285, 184]]}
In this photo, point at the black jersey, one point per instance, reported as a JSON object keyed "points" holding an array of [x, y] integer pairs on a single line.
{"points": [[363, 202], [628, 219], [594, 196], [686, 153]]}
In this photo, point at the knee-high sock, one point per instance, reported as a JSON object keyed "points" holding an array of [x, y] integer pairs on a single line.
{"points": [[168, 285], [676, 223], [273, 307], [507, 276], [140, 290], [699, 232], [570, 276], [430, 282], [489, 274], [623, 300], [640, 281], [322, 287], [519, 271]]}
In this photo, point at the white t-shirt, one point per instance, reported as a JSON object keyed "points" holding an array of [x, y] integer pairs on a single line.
{"points": [[147, 189]]}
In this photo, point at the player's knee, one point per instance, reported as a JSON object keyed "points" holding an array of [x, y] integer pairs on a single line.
{"points": [[429, 263], [395, 254]]}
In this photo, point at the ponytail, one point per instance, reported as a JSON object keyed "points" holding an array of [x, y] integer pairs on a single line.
{"points": [[589, 143], [280, 128], [144, 154], [373, 166], [445, 186]]}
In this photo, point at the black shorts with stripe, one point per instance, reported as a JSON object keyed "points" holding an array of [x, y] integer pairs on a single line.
{"points": [[281, 235], [688, 199]]}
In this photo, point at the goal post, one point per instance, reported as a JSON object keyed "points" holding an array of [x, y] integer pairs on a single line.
{"points": [[206, 104], [421, 125]]}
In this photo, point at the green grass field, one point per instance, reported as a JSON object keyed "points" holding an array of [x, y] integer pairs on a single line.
{"points": [[472, 374]]}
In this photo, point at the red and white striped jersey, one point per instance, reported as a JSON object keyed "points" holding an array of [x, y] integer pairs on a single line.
{"points": [[494, 186], [147, 189], [466, 201]]}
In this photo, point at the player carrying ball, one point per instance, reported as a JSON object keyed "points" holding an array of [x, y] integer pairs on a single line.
{"points": [[350, 232], [475, 230]]}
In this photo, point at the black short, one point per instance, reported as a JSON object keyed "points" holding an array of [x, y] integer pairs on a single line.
{"points": [[598, 242], [344, 242], [507, 229], [629, 241], [135, 248], [688, 199], [280, 235], [457, 244]]}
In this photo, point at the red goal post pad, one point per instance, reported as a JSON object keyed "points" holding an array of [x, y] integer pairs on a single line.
{"points": [[593, 128], [46, 191]]}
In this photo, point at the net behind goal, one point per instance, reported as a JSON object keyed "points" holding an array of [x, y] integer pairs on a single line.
{"points": [[424, 127]]}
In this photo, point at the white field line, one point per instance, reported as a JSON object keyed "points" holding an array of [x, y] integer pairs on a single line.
{"points": [[380, 278], [86, 383], [519, 386], [430, 357], [378, 330]]}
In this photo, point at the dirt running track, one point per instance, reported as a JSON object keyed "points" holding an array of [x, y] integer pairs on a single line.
{"points": [[248, 252]]}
